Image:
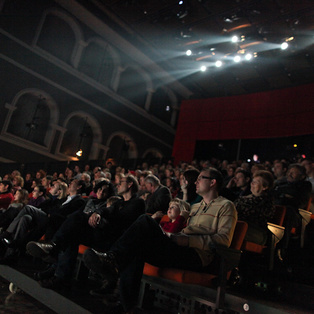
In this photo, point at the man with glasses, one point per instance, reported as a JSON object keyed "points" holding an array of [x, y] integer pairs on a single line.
{"points": [[211, 223], [99, 226]]}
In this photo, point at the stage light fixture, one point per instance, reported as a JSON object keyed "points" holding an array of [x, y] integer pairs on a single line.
{"points": [[203, 68], [284, 45], [248, 56], [237, 59], [235, 39], [188, 52], [218, 64]]}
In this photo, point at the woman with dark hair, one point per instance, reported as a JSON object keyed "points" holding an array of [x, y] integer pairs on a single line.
{"points": [[188, 187], [7, 216]]}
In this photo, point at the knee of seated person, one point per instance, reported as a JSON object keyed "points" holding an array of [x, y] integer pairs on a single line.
{"points": [[27, 218]]}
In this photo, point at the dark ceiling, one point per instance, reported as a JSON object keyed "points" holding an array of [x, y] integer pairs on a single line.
{"points": [[165, 29]]}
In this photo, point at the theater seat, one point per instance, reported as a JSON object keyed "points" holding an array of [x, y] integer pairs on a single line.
{"points": [[276, 231], [229, 258]]}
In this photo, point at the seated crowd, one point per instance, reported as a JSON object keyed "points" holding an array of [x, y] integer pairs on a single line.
{"points": [[169, 216]]}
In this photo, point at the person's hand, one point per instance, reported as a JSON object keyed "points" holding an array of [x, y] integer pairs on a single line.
{"points": [[184, 188], [158, 214], [180, 239], [231, 183], [94, 220], [185, 214]]}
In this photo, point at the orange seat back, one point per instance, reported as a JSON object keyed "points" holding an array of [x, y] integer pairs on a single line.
{"points": [[238, 235], [279, 215]]}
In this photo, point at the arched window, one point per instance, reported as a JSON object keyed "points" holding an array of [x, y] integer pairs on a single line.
{"points": [[161, 105], [30, 119], [79, 135], [57, 37], [133, 87], [98, 62], [121, 147]]}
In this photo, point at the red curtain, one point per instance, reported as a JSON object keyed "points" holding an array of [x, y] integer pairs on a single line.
{"points": [[279, 113]]}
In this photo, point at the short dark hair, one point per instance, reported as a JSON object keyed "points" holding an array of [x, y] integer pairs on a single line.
{"points": [[217, 175], [42, 189], [7, 182]]}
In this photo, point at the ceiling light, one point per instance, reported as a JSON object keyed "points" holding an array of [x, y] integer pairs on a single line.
{"points": [[203, 68], [235, 39], [248, 56], [180, 2], [188, 52], [284, 46], [237, 59], [218, 64]]}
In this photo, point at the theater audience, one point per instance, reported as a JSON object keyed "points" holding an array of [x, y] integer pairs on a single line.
{"points": [[212, 222], [98, 226]]}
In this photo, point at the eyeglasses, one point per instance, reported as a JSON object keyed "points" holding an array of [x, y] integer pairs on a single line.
{"points": [[204, 177]]}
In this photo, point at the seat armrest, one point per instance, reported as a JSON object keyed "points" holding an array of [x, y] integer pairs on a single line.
{"points": [[276, 230], [231, 257], [306, 216]]}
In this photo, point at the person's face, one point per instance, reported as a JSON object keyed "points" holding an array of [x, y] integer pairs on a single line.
{"points": [[173, 211], [28, 177], [123, 186], [230, 172], [257, 187], [70, 173], [38, 175], [102, 192], [148, 187], [3, 188], [36, 192], [278, 170], [14, 182], [240, 180], [73, 186], [55, 188], [293, 175], [17, 196], [203, 183], [44, 181], [33, 184]]}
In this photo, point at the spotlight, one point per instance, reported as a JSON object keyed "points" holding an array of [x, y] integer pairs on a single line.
{"points": [[248, 56], [237, 59], [188, 52], [218, 64], [235, 39], [203, 68], [284, 46], [180, 2]]}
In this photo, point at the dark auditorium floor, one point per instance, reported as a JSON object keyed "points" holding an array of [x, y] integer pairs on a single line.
{"points": [[295, 296]]}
